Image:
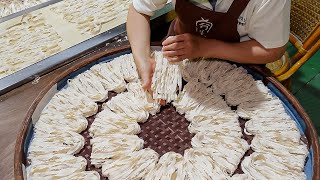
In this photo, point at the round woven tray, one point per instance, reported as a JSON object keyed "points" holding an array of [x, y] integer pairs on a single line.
{"points": [[165, 131]]}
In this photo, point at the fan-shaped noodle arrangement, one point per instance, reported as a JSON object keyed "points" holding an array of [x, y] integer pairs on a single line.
{"points": [[218, 146]]}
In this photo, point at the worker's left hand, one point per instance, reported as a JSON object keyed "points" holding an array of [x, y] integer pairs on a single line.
{"points": [[180, 47]]}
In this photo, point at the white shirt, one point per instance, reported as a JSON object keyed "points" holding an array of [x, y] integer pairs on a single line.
{"points": [[266, 21]]}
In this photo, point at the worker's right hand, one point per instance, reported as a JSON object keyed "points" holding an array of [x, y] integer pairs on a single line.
{"points": [[146, 69]]}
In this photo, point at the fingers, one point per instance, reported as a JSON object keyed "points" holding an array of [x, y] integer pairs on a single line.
{"points": [[173, 39], [178, 52], [174, 46], [176, 59], [162, 102]]}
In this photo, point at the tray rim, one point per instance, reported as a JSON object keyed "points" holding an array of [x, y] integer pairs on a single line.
{"points": [[19, 146]]}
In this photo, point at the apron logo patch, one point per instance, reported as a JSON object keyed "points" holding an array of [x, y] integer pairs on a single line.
{"points": [[203, 26], [242, 21]]}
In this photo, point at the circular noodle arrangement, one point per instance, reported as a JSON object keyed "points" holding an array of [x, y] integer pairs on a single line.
{"points": [[93, 124]]}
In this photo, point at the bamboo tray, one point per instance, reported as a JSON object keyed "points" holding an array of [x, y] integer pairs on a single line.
{"points": [[164, 121]]}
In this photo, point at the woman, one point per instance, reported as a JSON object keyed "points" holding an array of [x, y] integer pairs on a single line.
{"points": [[242, 31]]}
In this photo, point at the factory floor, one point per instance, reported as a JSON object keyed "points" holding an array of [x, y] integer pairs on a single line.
{"points": [[306, 87]]}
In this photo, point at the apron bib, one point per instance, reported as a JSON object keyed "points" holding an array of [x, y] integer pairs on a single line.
{"points": [[206, 23]]}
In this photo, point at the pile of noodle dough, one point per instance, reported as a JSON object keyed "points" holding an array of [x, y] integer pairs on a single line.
{"points": [[55, 166], [108, 148], [167, 78], [268, 166], [56, 142], [108, 122], [89, 85], [135, 165]]}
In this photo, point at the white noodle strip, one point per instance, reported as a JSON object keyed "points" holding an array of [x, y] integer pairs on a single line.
{"points": [[225, 150], [52, 119], [167, 78], [55, 166], [89, 16], [26, 43], [268, 108], [144, 97], [70, 100], [167, 168], [268, 125], [192, 95], [255, 92], [89, 85], [128, 67], [85, 175], [128, 106], [199, 165], [267, 166], [47, 141], [108, 122], [135, 165], [279, 145], [8, 7], [108, 148], [110, 76]]}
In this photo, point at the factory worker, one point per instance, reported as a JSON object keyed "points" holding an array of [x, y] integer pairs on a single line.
{"points": [[242, 31]]}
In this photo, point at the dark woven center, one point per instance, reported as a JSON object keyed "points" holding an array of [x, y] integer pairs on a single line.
{"points": [[166, 131]]}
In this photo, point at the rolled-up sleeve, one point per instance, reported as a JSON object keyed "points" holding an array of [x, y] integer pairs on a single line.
{"points": [[270, 23], [148, 7]]}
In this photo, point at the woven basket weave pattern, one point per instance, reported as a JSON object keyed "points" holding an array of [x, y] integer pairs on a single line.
{"points": [[305, 15]]}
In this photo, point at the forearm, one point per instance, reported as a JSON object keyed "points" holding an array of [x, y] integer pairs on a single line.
{"points": [[248, 52], [138, 29]]}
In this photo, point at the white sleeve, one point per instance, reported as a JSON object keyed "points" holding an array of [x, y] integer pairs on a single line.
{"points": [[270, 23], [148, 7]]}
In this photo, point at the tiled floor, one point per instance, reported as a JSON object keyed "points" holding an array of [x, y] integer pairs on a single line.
{"points": [[306, 87]]}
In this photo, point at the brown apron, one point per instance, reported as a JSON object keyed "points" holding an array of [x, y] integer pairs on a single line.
{"points": [[206, 23]]}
